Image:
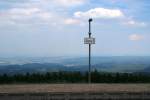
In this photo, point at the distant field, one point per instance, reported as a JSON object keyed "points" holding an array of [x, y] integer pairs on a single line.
{"points": [[75, 88]]}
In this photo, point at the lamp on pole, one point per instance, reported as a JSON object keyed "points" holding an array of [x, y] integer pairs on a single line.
{"points": [[89, 41]]}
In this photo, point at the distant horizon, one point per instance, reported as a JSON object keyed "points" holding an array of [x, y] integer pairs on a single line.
{"points": [[77, 56]]}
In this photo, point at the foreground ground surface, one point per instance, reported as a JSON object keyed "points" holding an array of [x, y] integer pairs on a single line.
{"points": [[74, 88]]}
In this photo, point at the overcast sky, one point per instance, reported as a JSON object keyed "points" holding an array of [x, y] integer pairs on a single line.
{"points": [[58, 27]]}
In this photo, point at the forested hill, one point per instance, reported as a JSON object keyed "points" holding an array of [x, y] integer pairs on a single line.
{"points": [[75, 77]]}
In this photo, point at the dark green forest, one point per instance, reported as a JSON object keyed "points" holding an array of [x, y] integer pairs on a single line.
{"points": [[74, 77]]}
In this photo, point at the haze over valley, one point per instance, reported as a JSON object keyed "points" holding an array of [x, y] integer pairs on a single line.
{"points": [[127, 64]]}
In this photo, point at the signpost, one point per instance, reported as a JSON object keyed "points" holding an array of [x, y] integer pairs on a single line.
{"points": [[90, 40]]}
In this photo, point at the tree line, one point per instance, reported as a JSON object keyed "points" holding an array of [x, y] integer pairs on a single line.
{"points": [[75, 77]]}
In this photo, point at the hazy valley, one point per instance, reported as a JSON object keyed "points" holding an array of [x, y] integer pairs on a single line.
{"points": [[52, 64]]}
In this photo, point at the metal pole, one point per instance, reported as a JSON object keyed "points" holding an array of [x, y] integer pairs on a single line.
{"points": [[89, 74]]}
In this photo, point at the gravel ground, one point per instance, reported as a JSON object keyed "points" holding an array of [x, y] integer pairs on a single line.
{"points": [[76, 88]]}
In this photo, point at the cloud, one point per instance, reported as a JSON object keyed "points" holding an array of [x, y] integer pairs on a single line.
{"points": [[135, 37], [70, 21], [104, 13], [135, 23], [24, 11], [26, 15], [69, 2], [100, 13], [34, 16]]}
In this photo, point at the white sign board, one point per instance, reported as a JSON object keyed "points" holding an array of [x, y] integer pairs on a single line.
{"points": [[89, 40]]}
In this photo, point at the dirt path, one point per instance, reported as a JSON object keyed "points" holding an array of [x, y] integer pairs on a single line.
{"points": [[42, 88]]}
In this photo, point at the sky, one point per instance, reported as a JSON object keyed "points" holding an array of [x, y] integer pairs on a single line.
{"points": [[46, 28]]}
